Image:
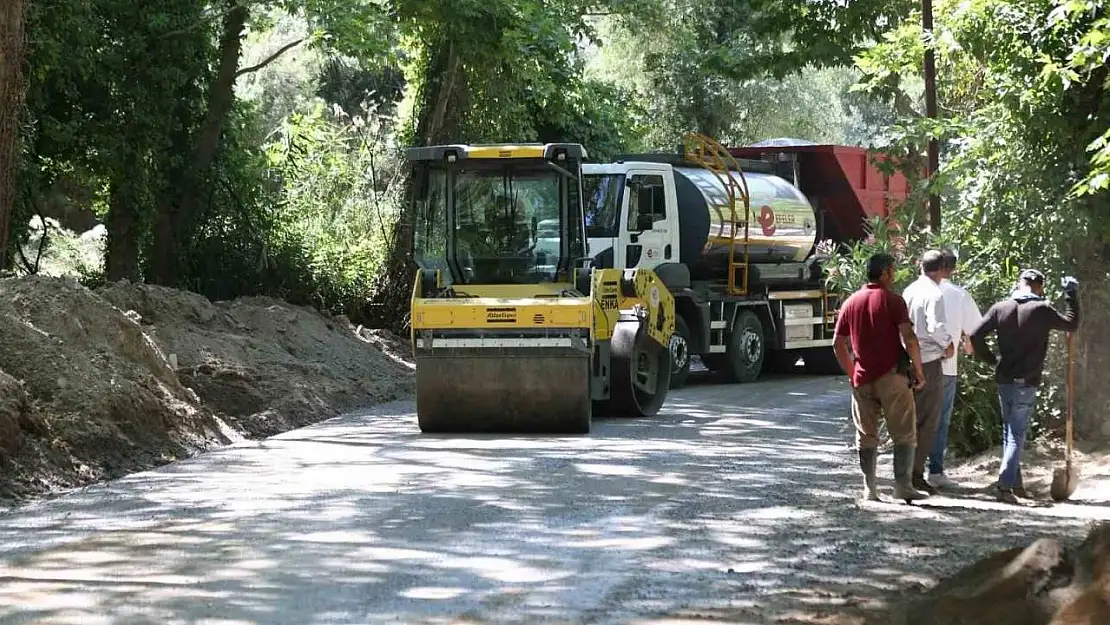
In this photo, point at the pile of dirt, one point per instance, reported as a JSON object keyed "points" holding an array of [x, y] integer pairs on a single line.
{"points": [[1044, 583], [92, 396], [262, 364], [397, 348], [94, 385]]}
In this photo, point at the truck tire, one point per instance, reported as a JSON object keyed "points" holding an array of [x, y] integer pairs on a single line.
{"points": [[631, 350], [680, 353], [746, 348]]}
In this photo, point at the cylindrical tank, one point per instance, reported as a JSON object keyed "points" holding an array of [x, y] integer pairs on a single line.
{"points": [[783, 224]]}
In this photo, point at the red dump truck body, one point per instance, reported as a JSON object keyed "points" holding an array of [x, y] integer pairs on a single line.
{"points": [[843, 182]]}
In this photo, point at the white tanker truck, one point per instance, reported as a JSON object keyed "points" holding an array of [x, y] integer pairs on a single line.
{"points": [[749, 291]]}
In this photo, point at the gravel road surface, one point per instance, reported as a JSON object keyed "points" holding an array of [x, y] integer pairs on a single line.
{"points": [[736, 504]]}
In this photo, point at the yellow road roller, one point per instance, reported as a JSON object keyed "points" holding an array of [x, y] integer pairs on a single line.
{"points": [[513, 330]]}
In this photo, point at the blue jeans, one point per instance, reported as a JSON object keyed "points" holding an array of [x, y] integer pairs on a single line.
{"points": [[1018, 401], [940, 442]]}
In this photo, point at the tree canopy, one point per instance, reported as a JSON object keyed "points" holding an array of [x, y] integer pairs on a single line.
{"points": [[252, 146]]}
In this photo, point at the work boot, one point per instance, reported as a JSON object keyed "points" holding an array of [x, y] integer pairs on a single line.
{"points": [[867, 460], [921, 484], [1018, 490], [940, 480], [903, 467]]}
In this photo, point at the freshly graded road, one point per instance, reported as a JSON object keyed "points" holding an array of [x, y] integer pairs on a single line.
{"points": [[736, 504]]}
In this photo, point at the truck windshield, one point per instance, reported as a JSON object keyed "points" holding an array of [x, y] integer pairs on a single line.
{"points": [[602, 195], [507, 224]]}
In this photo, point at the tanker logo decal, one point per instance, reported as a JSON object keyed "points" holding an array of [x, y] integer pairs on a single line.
{"points": [[767, 221]]}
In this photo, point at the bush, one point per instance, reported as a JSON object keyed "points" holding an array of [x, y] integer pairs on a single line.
{"points": [[303, 219], [340, 197]]}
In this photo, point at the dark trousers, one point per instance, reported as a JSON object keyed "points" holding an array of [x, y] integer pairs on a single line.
{"points": [[928, 403]]}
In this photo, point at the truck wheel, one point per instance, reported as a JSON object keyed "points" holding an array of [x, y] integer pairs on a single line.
{"points": [[746, 347], [641, 373], [680, 353]]}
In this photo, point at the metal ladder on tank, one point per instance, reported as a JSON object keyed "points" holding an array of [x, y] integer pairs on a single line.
{"points": [[707, 153]]}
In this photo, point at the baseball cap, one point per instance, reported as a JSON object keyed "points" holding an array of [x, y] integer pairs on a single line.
{"points": [[1032, 275]]}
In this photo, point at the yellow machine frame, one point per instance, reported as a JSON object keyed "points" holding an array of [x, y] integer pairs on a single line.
{"points": [[493, 354]]}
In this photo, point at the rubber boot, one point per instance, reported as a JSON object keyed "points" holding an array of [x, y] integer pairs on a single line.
{"points": [[920, 483], [867, 460], [903, 482]]}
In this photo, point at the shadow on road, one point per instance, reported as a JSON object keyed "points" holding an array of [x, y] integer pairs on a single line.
{"points": [[737, 504]]}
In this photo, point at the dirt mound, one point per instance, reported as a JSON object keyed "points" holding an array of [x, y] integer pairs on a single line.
{"points": [[95, 385], [17, 417], [264, 365], [91, 394], [1041, 584]]}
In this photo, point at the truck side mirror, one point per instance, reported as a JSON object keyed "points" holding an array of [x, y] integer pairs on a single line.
{"points": [[645, 222]]}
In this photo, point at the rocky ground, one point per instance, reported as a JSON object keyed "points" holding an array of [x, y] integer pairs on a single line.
{"points": [[98, 384], [737, 505]]}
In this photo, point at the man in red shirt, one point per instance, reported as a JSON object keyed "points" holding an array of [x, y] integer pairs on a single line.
{"points": [[874, 323]]}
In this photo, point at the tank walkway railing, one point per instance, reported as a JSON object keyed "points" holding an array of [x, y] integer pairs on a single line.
{"points": [[707, 153]]}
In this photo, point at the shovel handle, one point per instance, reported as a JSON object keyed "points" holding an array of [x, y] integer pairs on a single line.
{"points": [[1071, 397]]}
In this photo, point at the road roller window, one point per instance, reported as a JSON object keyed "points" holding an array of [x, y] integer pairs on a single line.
{"points": [[647, 204], [507, 224], [430, 232], [602, 202]]}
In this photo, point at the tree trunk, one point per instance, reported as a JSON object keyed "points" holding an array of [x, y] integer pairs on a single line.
{"points": [[121, 259], [432, 122], [11, 110], [435, 120], [172, 212]]}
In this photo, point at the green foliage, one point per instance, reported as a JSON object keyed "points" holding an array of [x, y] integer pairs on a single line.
{"points": [[846, 271], [1017, 112], [339, 201], [519, 64], [53, 250], [299, 200], [1084, 28], [743, 71]]}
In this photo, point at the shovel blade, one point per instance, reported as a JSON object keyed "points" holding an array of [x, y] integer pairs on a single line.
{"points": [[1064, 482]]}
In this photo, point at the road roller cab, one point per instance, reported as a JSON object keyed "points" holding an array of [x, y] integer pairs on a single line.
{"points": [[512, 330]]}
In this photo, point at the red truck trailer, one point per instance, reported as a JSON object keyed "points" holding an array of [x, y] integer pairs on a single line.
{"points": [[733, 233]]}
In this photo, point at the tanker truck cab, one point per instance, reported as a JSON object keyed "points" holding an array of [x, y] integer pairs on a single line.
{"points": [[746, 292], [630, 209]]}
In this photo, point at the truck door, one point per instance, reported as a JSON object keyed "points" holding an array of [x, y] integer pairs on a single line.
{"points": [[603, 200], [647, 238]]}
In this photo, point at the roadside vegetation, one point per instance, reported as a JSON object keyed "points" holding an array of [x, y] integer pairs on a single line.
{"points": [[252, 147]]}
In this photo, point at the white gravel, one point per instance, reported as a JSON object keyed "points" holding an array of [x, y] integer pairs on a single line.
{"points": [[736, 505]]}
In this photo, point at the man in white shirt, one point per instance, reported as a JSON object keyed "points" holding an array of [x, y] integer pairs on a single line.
{"points": [[928, 314], [963, 315]]}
